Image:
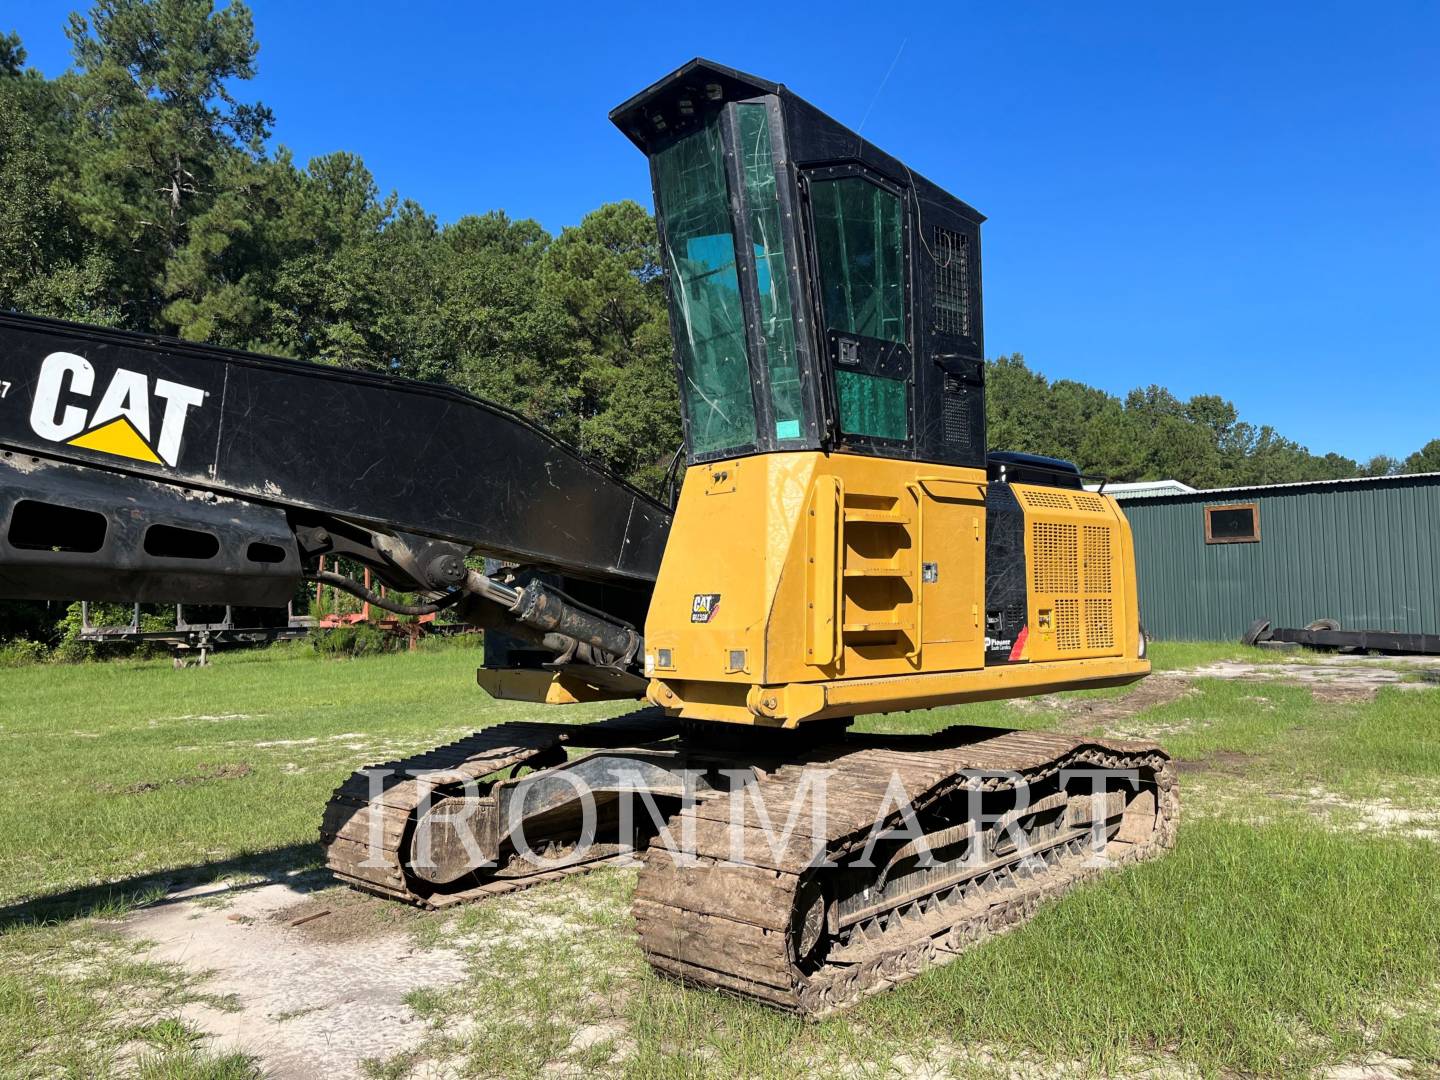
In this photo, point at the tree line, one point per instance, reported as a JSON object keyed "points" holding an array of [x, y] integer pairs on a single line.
{"points": [[1150, 434], [140, 192]]}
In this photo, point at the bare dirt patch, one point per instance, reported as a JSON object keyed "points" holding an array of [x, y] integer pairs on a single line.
{"points": [[1250, 801], [311, 1000], [1082, 714], [340, 915], [1373, 1067], [1227, 762], [1378, 814], [1330, 678], [204, 773]]}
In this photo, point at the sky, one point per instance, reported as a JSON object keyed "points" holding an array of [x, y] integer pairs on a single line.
{"points": [[1231, 198]]}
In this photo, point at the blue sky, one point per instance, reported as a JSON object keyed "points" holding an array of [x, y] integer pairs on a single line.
{"points": [[1232, 198]]}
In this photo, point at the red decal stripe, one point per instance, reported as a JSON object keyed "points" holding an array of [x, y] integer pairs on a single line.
{"points": [[1020, 640]]}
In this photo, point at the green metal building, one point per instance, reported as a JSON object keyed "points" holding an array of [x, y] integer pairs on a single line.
{"points": [[1363, 551]]}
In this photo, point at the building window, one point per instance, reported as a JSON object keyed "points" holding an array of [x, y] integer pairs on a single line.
{"points": [[1238, 524]]}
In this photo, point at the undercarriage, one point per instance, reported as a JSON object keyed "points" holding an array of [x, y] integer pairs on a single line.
{"points": [[804, 874]]}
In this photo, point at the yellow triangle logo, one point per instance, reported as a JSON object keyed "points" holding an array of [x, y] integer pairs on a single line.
{"points": [[118, 437]]}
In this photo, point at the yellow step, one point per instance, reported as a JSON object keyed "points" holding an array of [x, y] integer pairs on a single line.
{"points": [[876, 517]]}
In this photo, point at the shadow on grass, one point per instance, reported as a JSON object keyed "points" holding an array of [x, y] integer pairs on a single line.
{"points": [[298, 865]]}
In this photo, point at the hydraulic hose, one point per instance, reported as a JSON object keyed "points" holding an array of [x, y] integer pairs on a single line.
{"points": [[535, 606], [354, 588]]}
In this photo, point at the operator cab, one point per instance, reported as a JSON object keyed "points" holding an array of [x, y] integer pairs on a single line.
{"points": [[823, 296]]}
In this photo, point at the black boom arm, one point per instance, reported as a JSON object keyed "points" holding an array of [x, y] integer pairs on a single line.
{"points": [[143, 468]]}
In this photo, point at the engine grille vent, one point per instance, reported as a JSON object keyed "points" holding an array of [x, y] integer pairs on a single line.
{"points": [[1050, 500], [1067, 625], [1056, 548], [1072, 569], [955, 413], [1097, 559], [1099, 624]]}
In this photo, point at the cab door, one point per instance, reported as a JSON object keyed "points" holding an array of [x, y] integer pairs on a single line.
{"points": [[861, 268]]}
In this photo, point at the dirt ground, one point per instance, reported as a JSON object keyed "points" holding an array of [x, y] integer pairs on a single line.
{"points": [[319, 978], [1330, 678], [320, 975], [1336, 678]]}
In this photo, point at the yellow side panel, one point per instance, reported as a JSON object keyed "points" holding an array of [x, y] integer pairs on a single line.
{"points": [[805, 568], [800, 586], [735, 525], [1075, 547], [952, 545], [822, 584]]}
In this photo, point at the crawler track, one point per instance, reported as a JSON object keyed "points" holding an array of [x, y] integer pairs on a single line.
{"points": [[800, 921], [772, 926], [367, 834]]}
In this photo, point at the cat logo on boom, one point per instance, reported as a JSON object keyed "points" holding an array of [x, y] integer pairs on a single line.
{"points": [[120, 423]]}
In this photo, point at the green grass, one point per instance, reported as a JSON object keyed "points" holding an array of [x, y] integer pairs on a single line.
{"points": [[126, 778], [1257, 949], [1174, 655], [133, 768], [1273, 940], [1351, 748], [1268, 950], [114, 755]]}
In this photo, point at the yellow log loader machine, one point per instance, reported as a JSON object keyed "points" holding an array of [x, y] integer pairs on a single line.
{"points": [[842, 544]]}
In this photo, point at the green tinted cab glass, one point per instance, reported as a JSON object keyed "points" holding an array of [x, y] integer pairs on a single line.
{"points": [[861, 253], [872, 406], [859, 245], [694, 205], [772, 278]]}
